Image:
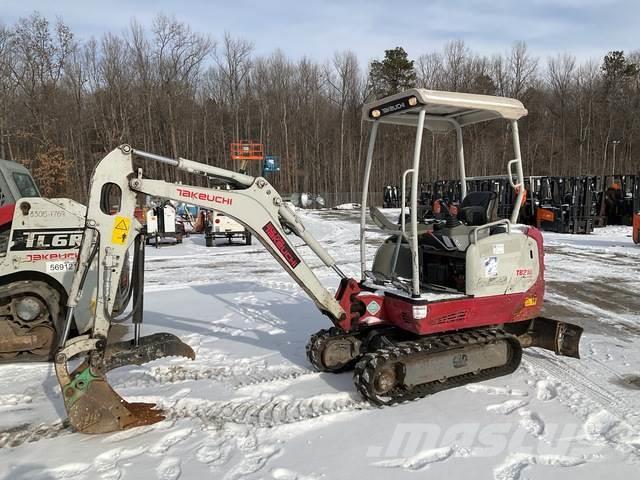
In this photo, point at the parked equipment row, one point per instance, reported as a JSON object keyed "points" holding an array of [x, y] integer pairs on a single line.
{"points": [[553, 203]]}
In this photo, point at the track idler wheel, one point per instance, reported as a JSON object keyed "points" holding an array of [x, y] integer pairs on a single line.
{"points": [[333, 350]]}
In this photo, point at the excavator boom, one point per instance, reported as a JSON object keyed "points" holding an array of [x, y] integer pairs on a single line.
{"points": [[112, 230]]}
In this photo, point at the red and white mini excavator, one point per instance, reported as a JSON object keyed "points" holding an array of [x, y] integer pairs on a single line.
{"points": [[441, 305]]}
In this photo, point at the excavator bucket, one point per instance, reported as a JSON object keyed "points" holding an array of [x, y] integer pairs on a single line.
{"points": [[93, 406]]}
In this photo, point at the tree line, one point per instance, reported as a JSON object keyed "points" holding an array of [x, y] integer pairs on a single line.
{"points": [[65, 102]]}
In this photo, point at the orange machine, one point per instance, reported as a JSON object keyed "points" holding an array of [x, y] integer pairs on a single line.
{"points": [[246, 151], [544, 215]]}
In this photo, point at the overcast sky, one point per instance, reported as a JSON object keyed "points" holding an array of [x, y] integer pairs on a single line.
{"points": [[586, 28]]}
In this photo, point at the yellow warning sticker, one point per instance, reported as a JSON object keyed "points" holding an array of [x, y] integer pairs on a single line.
{"points": [[120, 230], [530, 301]]}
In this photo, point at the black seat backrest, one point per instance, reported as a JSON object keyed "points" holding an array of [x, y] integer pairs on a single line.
{"points": [[479, 208]]}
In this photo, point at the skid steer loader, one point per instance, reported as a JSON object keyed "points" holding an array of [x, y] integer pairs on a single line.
{"points": [[443, 304], [39, 245]]}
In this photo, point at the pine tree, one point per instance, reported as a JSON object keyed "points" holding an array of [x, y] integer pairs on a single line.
{"points": [[617, 69], [392, 74]]}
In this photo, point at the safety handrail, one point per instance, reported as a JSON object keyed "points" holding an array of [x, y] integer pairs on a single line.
{"points": [[502, 221], [511, 174], [404, 198]]}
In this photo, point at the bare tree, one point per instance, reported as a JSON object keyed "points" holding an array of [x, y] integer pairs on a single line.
{"points": [[7, 89], [560, 71], [179, 54], [430, 70], [234, 63], [40, 53], [455, 56], [63, 104], [342, 78], [522, 69]]}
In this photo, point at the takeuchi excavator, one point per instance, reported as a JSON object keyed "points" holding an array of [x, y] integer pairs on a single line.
{"points": [[442, 303]]}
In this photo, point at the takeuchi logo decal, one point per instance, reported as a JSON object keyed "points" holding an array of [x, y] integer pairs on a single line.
{"points": [[209, 197], [281, 244]]}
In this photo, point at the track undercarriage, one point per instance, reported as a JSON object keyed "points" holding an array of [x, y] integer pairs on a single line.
{"points": [[393, 366]]}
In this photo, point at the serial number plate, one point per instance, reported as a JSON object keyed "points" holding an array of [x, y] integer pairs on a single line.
{"points": [[56, 267]]}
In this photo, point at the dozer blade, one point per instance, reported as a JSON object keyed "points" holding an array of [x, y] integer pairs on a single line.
{"points": [[92, 405], [150, 347], [559, 337]]}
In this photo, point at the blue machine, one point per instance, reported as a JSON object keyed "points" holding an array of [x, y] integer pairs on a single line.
{"points": [[271, 164]]}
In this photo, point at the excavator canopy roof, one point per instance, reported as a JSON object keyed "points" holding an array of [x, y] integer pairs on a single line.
{"points": [[443, 109]]}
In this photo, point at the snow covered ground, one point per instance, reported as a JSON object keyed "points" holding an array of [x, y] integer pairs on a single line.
{"points": [[250, 407]]}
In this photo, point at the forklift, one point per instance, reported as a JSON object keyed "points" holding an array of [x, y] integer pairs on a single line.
{"points": [[566, 205]]}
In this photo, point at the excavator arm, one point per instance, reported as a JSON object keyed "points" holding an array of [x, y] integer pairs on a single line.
{"points": [[112, 230]]}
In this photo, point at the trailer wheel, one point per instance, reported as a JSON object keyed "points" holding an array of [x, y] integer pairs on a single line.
{"points": [[247, 238]]}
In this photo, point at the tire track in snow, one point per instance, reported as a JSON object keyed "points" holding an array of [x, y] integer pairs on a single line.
{"points": [[26, 433], [608, 418], [262, 413], [566, 374], [270, 413], [241, 377]]}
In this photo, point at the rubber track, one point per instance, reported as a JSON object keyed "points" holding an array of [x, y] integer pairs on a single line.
{"points": [[367, 368]]}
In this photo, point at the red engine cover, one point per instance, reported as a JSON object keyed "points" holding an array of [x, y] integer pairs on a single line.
{"points": [[444, 315]]}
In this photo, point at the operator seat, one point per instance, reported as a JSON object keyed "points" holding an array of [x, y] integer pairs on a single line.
{"points": [[479, 208], [476, 209]]}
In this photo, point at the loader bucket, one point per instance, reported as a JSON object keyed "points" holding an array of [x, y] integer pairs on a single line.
{"points": [[93, 406]]}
